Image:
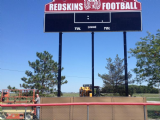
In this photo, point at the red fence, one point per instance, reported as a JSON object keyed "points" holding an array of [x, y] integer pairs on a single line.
{"points": [[79, 103]]}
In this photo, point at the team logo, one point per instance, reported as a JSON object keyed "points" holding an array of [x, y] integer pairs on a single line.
{"points": [[92, 4]]}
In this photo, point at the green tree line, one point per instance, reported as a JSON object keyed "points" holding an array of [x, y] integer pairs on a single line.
{"points": [[133, 89]]}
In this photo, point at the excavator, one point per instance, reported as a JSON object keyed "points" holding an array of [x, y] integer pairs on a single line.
{"points": [[86, 90]]}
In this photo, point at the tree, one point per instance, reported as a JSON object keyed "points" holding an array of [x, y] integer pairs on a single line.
{"points": [[147, 52], [9, 87], [45, 75], [114, 80]]}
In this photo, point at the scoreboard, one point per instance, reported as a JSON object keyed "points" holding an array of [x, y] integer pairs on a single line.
{"points": [[92, 16]]}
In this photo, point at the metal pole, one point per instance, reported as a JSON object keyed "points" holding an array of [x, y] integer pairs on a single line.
{"points": [[158, 88], [92, 63], [25, 112], [144, 113], [125, 63], [59, 64], [87, 112]]}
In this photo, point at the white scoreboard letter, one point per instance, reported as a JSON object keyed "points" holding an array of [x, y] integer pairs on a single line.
{"points": [[108, 6], [80, 6], [117, 5], [64, 6], [50, 6], [122, 5], [55, 6], [135, 5], [103, 6], [59, 6], [113, 6]]}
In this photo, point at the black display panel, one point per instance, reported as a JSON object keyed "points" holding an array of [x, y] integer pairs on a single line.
{"points": [[88, 22]]}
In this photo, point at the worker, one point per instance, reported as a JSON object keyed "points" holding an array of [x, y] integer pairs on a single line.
{"points": [[37, 101], [81, 90], [98, 92]]}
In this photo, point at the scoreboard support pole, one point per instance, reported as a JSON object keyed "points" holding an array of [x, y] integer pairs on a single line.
{"points": [[59, 64], [92, 63], [125, 63]]}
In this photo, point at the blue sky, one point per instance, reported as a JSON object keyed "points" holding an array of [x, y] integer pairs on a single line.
{"points": [[21, 36]]}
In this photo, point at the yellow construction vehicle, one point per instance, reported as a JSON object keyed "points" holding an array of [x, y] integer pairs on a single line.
{"points": [[86, 90]]}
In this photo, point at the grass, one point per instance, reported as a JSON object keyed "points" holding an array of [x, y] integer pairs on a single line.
{"points": [[153, 99], [146, 95], [157, 96], [153, 112], [152, 107], [70, 95]]}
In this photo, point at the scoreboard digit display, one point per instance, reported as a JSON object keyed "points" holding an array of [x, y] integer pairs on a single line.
{"points": [[92, 17], [98, 16]]}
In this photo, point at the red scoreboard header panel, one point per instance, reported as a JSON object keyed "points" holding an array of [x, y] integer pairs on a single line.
{"points": [[92, 15]]}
